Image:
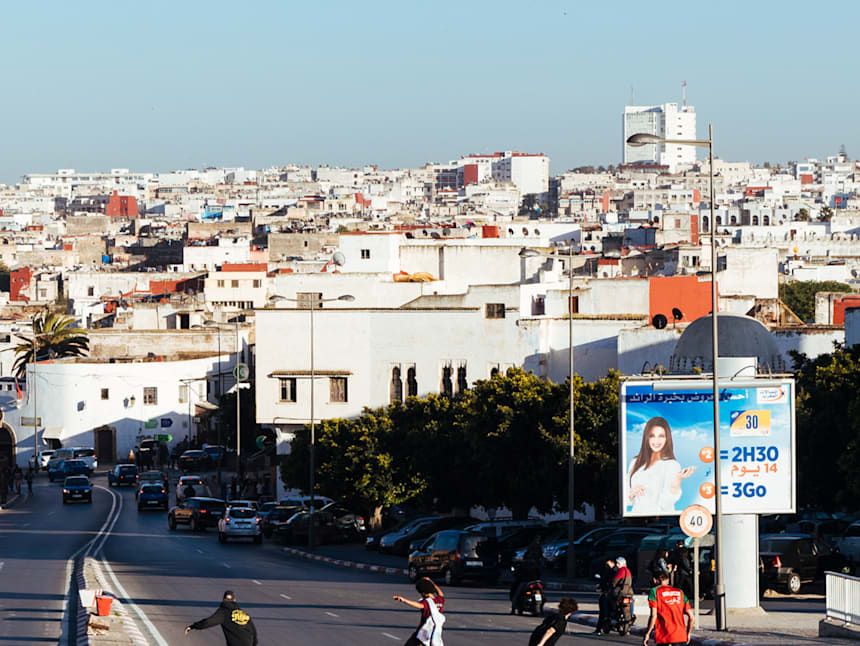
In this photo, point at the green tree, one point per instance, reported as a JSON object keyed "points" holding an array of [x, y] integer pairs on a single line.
{"points": [[54, 335], [799, 295], [802, 215], [828, 430], [825, 214], [226, 421]]}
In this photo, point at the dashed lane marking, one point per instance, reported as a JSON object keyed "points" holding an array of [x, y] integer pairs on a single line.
{"points": [[257, 582], [286, 596], [330, 614], [226, 565], [390, 636]]}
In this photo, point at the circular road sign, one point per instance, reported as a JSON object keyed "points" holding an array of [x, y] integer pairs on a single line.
{"points": [[696, 521], [241, 372]]}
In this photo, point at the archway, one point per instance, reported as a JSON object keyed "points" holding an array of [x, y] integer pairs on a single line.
{"points": [[7, 444], [104, 443]]}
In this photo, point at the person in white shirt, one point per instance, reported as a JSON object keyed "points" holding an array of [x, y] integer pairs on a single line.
{"points": [[655, 475]]}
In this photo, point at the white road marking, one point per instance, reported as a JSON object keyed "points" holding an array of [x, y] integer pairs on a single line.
{"points": [[286, 596], [330, 614], [226, 565], [200, 551], [257, 582], [390, 636], [2, 563]]}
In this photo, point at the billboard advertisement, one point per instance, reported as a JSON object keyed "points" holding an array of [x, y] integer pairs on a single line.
{"points": [[667, 450]]}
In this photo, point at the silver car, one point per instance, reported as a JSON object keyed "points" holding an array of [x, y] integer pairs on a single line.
{"points": [[240, 522]]}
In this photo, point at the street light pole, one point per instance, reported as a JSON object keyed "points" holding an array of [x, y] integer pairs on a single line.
{"points": [[238, 400], [312, 305], [571, 506], [643, 139]]}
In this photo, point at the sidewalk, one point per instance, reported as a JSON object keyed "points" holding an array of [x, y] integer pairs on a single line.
{"points": [[774, 628]]}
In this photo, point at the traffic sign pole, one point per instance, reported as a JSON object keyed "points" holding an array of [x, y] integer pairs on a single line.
{"points": [[696, 579]]}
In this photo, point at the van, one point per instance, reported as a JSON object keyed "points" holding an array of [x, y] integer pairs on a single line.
{"points": [[61, 454], [88, 455], [498, 528]]}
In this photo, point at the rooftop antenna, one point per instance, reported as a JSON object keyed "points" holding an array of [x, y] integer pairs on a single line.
{"points": [[684, 92]]}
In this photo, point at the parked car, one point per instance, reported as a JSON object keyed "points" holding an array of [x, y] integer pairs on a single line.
{"points": [[154, 476], [623, 542], [305, 501], [44, 457], [555, 551], [216, 452], [850, 543], [61, 454], [122, 474], [371, 542], [455, 555], [499, 527], [789, 560], [62, 468], [239, 522], [266, 508], [198, 484], [88, 455], [513, 544], [398, 542], [198, 513], [350, 523], [194, 460], [295, 530], [830, 531], [152, 495], [277, 517], [77, 488]]}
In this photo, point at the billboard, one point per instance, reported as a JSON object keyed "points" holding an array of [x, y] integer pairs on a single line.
{"points": [[666, 460]]}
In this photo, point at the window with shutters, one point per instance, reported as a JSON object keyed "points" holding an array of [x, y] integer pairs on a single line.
{"points": [[183, 393], [411, 382], [150, 396], [447, 387], [395, 395], [494, 311], [287, 389], [337, 389], [462, 382], [105, 393]]}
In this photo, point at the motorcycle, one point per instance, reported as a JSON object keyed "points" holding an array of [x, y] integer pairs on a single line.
{"points": [[623, 617], [530, 599]]}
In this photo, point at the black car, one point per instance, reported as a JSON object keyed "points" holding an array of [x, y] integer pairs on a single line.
{"points": [[398, 542], [277, 517], [350, 523], [295, 530], [455, 555], [198, 513], [78, 489], [122, 474], [789, 560], [195, 461], [624, 542]]}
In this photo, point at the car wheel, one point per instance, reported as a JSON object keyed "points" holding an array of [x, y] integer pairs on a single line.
{"points": [[171, 522], [412, 573], [792, 585], [258, 539], [449, 578], [221, 537]]}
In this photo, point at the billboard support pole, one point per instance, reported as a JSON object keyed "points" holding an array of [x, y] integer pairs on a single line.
{"points": [[719, 585]]}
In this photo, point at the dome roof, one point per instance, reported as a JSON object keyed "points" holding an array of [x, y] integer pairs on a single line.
{"points": [[739, 336]]}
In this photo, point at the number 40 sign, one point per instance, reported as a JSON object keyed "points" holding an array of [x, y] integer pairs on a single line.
{"points": [[696, 521]]}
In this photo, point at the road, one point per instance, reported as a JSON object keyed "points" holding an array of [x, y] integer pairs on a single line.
{"points": [[175, 578]]}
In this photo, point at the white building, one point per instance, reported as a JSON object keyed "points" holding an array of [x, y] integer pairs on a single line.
{"points": [[668, 120]]}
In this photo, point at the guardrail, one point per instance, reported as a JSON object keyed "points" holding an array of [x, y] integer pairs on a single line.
{"points": [[843, 597]]}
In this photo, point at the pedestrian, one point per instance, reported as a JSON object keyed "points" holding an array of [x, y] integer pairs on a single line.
{"points": [[239, 629], [670, 608], [682, 568], [432, 607], [660, 563], [554, 625], [605, 589], [233, 485], [30, 481], [18, 476], [4, 485]]}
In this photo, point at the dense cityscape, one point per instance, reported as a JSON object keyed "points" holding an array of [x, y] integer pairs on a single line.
{"points": [[533, 391]]}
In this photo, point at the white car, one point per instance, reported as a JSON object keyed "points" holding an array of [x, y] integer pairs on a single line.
{"points": [[44, 457], [200, 488], [240, 522]]}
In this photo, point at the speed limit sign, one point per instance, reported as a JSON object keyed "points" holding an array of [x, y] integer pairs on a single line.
{"points": [[696, 521]]}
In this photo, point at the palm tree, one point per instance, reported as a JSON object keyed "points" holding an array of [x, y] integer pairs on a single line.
{"points": [[54, 335]]}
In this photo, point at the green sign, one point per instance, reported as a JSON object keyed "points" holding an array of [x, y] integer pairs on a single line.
{"points": [[164, 437], [151, 423]]}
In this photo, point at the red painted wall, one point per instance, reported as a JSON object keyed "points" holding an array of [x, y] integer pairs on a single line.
{"points": [[121, 206], [686, 293], [470, 174], [19, 280], [841, 305]]}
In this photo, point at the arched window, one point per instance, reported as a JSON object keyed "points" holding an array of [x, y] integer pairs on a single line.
{"points": [[494, 372], [396, 389], [462, 383], [766, 220], [447, 387], [755, 220], [411, 383]]}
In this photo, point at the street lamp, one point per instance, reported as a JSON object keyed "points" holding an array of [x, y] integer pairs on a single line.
{"points": [[217, 325], [571, 507], [644, 139], [311, 306]]}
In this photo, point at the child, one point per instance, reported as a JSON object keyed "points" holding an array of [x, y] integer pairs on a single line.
{"points": [[553, 627], [431, 605]]}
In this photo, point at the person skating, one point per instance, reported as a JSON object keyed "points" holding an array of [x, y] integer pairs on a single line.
{"points": [[554, 625], [238, 627], [431, 605]]}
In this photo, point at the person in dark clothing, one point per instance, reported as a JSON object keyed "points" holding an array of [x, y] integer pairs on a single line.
{"points": [[528, 570], [237, 625], [659, 564], [29, 478], [554, 625], [604, 587], [4, 485], [682, 569]]}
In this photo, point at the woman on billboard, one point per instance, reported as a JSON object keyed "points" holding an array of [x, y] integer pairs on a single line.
{"points": [[655, 475]]}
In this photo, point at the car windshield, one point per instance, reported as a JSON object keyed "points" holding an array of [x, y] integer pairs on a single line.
{"points": [[84, 453], [241, 512], [193, 454], [186, 480], [128, 469], [775, 544], [470, 545], [152, 489], [77, 482]]}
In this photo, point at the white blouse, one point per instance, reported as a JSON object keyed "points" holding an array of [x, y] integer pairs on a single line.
{"points": [[657, 480]]}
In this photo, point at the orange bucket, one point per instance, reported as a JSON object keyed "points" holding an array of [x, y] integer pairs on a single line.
{"points": [[103, 606]]}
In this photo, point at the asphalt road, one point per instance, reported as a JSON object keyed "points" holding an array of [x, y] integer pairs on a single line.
{"points": [[37, 537], [175, 578]]}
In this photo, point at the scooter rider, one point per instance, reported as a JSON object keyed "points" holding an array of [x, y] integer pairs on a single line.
{"points": [[622, 584], [528, 570], [604, 587]]}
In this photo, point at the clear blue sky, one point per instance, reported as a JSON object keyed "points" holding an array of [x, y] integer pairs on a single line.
{"points": [[159, 85]]}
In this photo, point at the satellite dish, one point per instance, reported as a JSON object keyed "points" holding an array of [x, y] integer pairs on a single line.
{"points": [[659, 321], [677, 314], [338, 258]]}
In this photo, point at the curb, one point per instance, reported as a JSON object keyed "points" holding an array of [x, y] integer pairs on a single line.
{"points": [[129, 626], [587, 620]]}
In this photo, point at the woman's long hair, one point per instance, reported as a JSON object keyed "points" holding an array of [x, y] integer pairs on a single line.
{"points": [[644, 457]]}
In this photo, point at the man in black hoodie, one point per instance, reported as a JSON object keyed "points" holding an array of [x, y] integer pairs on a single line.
{"points": [[238, 628]]}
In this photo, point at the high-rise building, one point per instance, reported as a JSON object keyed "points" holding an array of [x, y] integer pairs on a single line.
{"points": [[669, 120]]}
